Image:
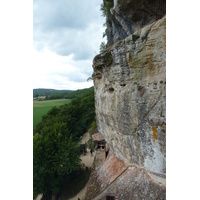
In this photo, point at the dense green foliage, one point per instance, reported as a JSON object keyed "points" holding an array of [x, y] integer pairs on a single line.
{"points": [[73, 184], [41, 108], [55, 143], [55, 155], [77, 116]]}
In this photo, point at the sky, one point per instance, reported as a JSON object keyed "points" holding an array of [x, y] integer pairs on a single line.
{"points": [[66, 37]]}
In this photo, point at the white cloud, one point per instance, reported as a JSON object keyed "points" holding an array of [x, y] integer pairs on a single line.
{"points": [[68, 27], [66, 37], [59, 72]]}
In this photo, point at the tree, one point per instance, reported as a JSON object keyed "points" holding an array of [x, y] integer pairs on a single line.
{"points": [[55, 143], [55, 155]]}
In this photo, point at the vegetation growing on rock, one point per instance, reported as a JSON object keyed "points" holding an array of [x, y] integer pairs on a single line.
{"points": [[105, 8], [135, 37]]}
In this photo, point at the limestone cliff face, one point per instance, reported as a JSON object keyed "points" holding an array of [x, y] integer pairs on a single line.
{"points": [[131, 15], [130, 96]]}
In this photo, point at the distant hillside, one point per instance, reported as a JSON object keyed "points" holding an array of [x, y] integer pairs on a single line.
{"points": [[45, 92], [58, 94]]}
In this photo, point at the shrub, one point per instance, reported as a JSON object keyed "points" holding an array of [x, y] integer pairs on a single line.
{"points": [[102, 47], [105, 8]]}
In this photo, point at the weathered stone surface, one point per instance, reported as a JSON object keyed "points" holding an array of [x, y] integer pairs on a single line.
{"points": [[130, 15], [130, 96]]}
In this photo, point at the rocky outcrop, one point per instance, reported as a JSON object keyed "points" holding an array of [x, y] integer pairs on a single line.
{"points": [[131, 15], [130, 95]]}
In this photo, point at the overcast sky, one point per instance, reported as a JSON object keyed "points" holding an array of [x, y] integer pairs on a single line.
{"points": [[66, 37]]}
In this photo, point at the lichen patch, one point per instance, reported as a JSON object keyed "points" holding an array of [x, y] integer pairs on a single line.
{"points": [[155, 133]]}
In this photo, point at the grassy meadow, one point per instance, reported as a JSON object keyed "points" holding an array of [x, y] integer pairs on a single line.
{"points": [[40, 108]]}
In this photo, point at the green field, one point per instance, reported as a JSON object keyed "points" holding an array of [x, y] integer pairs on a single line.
{"points": [[40, 108]]}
